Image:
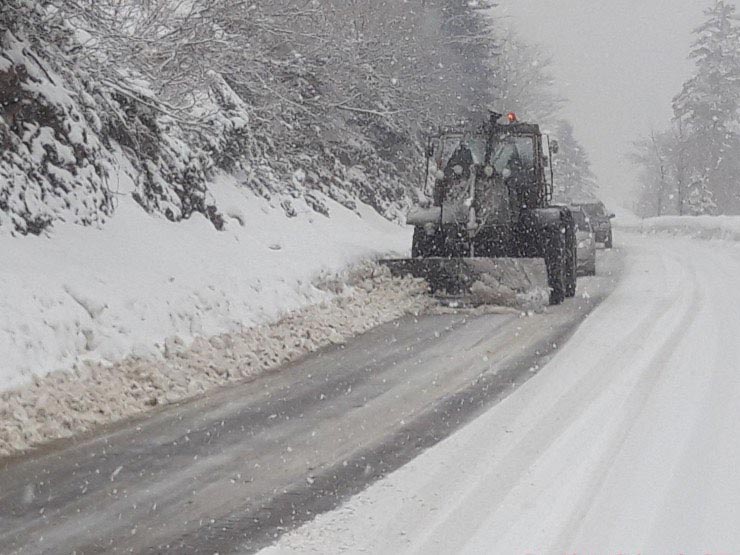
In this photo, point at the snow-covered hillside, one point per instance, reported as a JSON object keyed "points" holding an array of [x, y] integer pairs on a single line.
{"points": [[127, 218], [102, 294]]}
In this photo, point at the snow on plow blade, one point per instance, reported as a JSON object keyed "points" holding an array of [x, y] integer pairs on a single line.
{"points": [[512, 282]]}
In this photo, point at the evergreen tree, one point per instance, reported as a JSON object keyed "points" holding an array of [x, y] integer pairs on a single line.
{"points": [[708, 109], [469, 37], [663, 182], [574, 180], [523, 83], [699, 200]]}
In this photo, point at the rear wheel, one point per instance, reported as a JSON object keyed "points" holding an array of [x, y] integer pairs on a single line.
{"points": [[555, 259], [571, 261], [609, 240]]}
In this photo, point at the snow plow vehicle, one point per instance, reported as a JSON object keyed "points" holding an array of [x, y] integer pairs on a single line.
{"points": [[489, 234]]}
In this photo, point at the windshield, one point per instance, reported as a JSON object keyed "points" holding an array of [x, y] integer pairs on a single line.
{"points": [[453, 146], [513, 153], [508, 152]]}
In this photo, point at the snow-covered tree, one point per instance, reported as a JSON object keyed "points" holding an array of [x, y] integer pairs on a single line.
{"points": [[693, 167], [467, 34], [523, 82], [654, 157], [699, 200], [708, 108], [574, 180]]}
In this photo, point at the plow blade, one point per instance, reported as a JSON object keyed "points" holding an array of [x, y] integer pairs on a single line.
{"points": [[512, 282]]}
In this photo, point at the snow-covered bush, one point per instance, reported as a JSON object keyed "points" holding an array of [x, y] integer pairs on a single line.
{"points": [[52, 163], [62, 124]]}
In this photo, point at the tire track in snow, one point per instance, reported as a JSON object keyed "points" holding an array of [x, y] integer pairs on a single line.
{"points": [[633, 445], [709, 455], [605, 450], [650, 373], [560, 424]]}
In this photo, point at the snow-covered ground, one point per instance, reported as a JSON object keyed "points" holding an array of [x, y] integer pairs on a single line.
{"points": [[700, 227], [626, 442], [101, 295]]}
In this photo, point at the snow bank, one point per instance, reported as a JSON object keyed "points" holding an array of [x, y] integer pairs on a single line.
{"points": [[63, 404], [625, 217], [100, 295], [699, 227]]}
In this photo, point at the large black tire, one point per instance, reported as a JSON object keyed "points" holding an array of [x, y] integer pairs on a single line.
{"points": [[555, 260], [571, 260], [609, 240]]}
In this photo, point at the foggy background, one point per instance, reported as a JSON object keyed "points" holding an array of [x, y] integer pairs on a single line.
{"points": [[619, 64]]}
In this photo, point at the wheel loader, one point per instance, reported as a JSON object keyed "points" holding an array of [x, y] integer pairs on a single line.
{"points": [[487, 232]]}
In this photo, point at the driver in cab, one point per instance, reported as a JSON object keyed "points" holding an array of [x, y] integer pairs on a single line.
{"points": [[458, 169]]}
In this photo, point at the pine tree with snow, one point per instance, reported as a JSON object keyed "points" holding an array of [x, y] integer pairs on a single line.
{"points": [[699, 200], [574, 180], [468, 34], [523, 83], [708, 108]]}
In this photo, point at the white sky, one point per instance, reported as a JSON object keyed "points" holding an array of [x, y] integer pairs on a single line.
{"points": [[619, 63]]}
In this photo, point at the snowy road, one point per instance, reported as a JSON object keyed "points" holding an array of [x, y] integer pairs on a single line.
{"points": [[627, 442], [233, 471]]}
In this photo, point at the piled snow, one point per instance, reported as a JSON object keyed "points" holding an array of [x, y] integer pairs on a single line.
{"points": [[62, 404], [101, 295], [514, 283], [625, 217], [699, 227], [492, 292]]}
